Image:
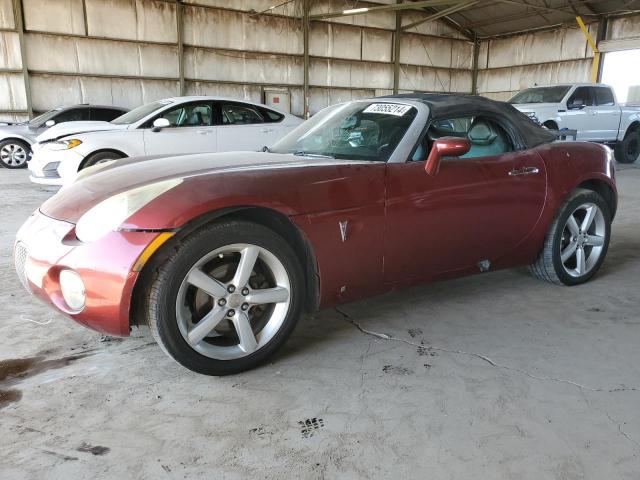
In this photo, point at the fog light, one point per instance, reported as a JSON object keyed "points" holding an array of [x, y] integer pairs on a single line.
{"points": [[72, 289]]}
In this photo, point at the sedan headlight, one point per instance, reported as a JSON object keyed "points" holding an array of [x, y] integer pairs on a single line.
{"points": [[109, 214], [64, 144]]}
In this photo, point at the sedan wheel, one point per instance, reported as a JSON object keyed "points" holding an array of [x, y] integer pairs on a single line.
{"points": [[227, 298], [14, 154], [577, 241]]}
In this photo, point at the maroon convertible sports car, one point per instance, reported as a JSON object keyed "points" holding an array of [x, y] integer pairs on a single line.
{"points": [[221, 253]]}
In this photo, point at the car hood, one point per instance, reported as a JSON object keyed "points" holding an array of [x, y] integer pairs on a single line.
{"points": [[74, 128], [534, 106], [22, 130], [70, 203]]}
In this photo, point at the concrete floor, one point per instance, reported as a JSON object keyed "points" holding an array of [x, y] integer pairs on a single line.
{"points": [[497, 376]]}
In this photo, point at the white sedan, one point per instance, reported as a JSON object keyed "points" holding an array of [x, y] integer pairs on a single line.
{"points": [[172, 126]]}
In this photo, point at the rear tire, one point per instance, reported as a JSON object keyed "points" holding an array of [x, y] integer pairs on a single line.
{"points": [[14, 153], [226, 298], [577, 241], [101, 157], [628, 150]]}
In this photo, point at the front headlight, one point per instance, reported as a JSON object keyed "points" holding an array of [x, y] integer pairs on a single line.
{"points": [[109, 214], [64, 144]]}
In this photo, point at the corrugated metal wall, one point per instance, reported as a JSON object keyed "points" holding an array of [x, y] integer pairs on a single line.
{"points": [[508, 65], [511, 64], [126, 52]]}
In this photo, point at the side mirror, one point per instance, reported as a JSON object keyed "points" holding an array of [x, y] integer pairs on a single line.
{"points": [[159, 124], [445, 147], [50, 123], [576, 104]]}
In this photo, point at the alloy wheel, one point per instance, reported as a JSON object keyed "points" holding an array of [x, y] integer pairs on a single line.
{"points": [[582, 240], [13, 154], [233, 301]]}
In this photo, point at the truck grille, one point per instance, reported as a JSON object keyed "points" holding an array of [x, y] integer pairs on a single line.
{"points": [[20, 259]]}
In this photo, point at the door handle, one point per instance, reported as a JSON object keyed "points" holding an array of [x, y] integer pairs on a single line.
{"points": [[266, 130], [524, 171], [203, 132]]}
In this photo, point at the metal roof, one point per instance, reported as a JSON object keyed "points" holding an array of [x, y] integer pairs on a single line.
{"points": [[491, 18]]}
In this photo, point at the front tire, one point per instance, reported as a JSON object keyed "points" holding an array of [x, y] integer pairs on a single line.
{"points": [[227, 298], [14, 153], [628, 150], [577, 241], [101, 157]]}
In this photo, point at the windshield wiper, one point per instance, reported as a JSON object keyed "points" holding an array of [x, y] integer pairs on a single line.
{"points": [[302, 153]]}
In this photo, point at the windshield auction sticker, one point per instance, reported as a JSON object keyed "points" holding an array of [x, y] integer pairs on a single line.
{"points": [[388, 108]]}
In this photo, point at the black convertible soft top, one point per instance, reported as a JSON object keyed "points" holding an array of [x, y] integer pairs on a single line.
{"points": [[444, 105]]}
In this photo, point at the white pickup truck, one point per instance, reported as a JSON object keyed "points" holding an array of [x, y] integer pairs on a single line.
{"points": [[589, 108]]}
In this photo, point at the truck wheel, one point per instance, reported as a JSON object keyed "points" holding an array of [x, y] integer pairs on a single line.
{"points": [[628, 150]]}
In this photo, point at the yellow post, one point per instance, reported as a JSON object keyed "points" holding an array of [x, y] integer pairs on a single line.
{"points": [[596, 54]]}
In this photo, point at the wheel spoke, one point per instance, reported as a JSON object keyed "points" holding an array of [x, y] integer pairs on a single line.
{"points": [[588, 218], [568, 252], [573, 225], [268, 295], [245, 333], [594, 240], [213, 287], [581, 265], [248, 258], [204, 326]]}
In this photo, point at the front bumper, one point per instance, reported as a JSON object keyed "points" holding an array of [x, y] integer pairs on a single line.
{"points": [[45, 246], [54, 167]]}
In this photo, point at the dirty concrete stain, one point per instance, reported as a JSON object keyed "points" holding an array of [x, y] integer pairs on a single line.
{"points": [[392, 369], [14, 370], [61, 456], [9, 396], [21, 368], [414, 332], [94, 450], [309, 426]]}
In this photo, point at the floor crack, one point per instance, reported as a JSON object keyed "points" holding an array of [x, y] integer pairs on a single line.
{"points": [[482, 357], [622, 432]]}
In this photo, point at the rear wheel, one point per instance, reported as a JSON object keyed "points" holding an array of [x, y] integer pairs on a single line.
{"points": [[227, 298], [577, 241], [628, 150], [101, 157], [14, 153]]}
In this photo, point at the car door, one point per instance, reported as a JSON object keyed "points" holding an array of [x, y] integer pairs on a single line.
{"points": [[477, 208], [607, 116], [243, 127], [191, 130], [580, 113]]}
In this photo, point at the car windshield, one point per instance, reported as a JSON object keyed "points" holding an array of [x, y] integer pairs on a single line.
{"points": [[540, 95], [42, 119], [351, 131], [139, 113]]}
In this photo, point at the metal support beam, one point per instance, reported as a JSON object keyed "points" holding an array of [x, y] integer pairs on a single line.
{"points": [[19, 24], [601, 35], [385, 8], [476, 56], [306, 7], [396, 50], [595, 69], [442, 13], [180, 29]]}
